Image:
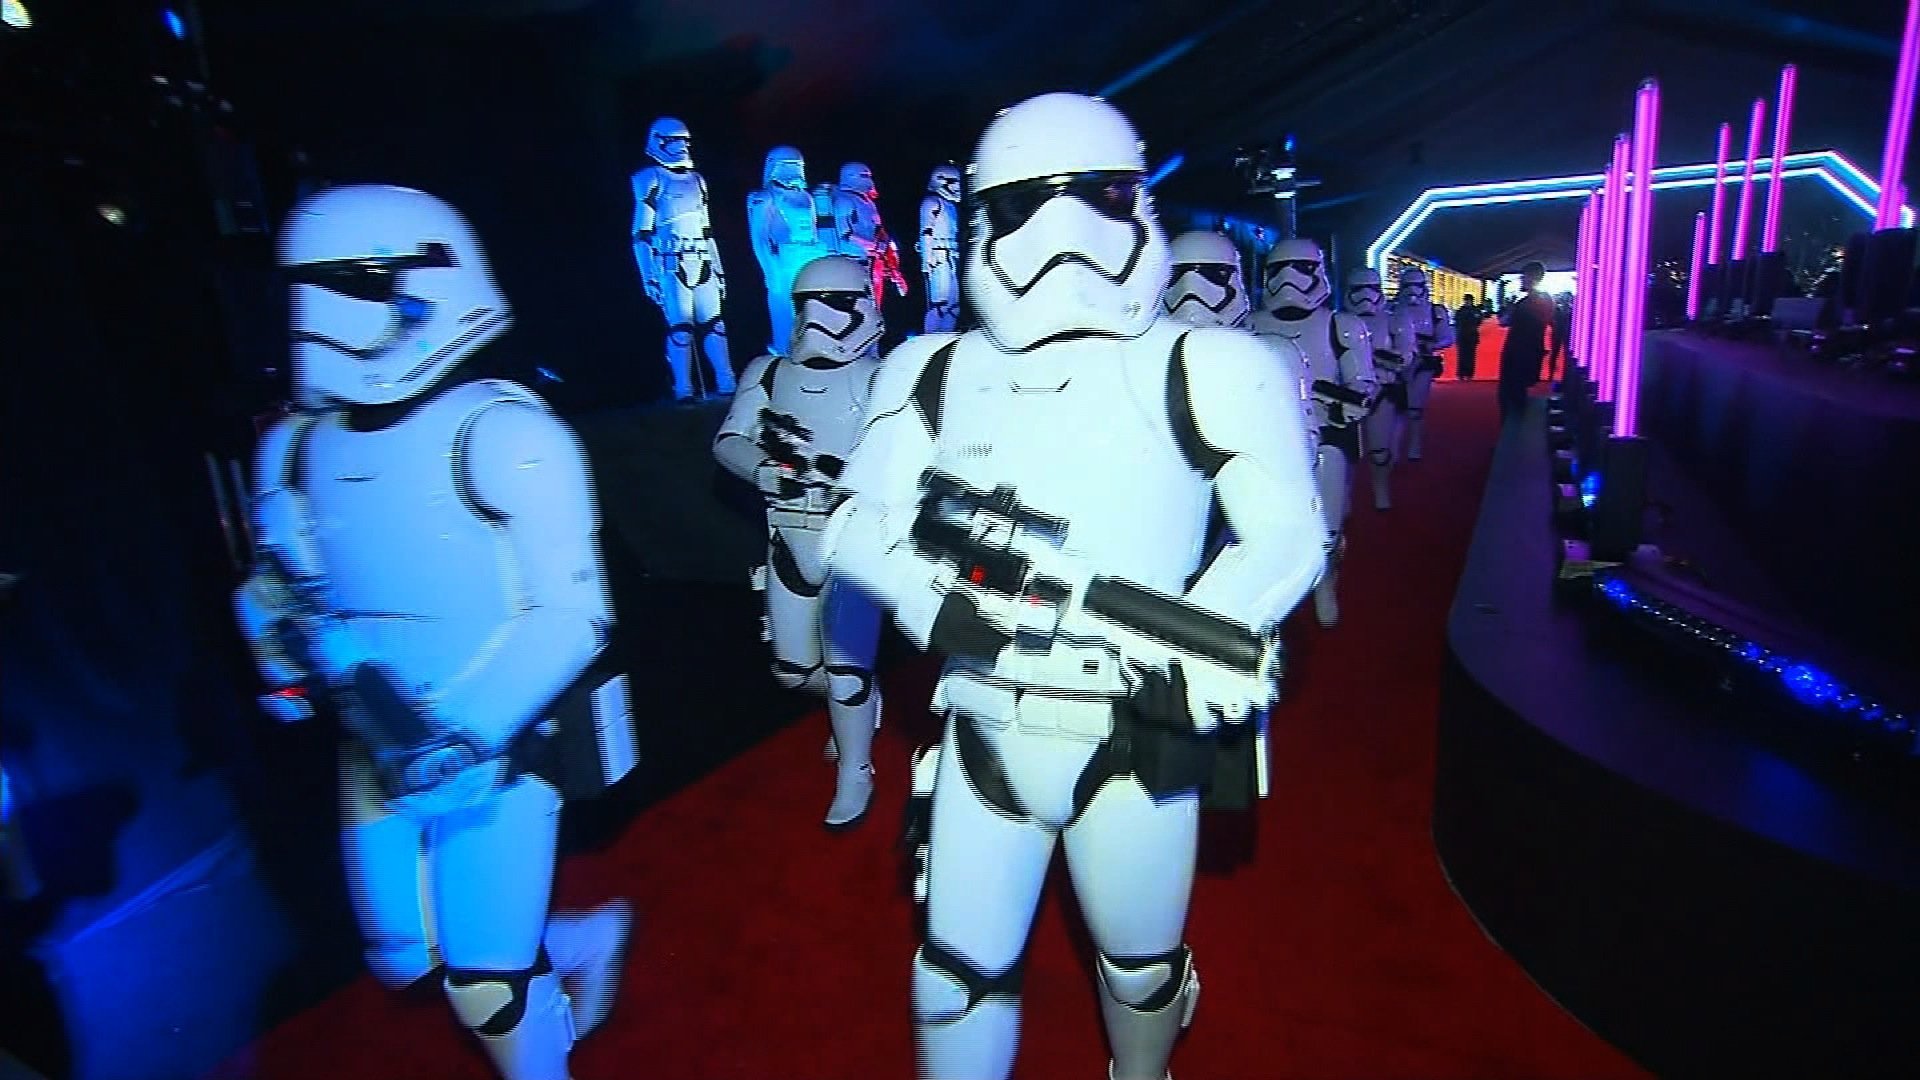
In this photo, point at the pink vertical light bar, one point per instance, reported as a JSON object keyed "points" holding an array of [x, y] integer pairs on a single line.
{"points": [[1782, 131], [1607, 311], [1756, 126], [1699, 265], [1582, 286], [1717, 225], [1893, 161], [1633, 298]]}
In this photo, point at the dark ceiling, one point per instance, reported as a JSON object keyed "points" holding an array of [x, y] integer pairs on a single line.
{"points": [[1386, 97]]}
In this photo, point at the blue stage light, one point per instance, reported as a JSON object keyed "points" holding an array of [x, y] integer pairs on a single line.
{"points": [[176, 25], [1589, 489], [1807, 684], [1166, 170], [548, 375]]}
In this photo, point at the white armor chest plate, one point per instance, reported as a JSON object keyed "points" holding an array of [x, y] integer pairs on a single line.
{"points": [[1419, 321], [794, 216], [944, 219], [423, 578], [1314, 336], [830, 402], [682, 205], [1080, 430]]}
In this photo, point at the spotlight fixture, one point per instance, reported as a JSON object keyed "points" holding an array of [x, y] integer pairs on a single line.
{"points": [[15, 15]]}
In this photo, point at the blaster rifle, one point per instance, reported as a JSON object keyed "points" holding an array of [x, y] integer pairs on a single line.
{"points": [[1338, 399], [886, 264], [1010, 551], [410, 756]]}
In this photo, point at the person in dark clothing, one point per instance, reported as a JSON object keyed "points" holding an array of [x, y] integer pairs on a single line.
{"points": [[1527, 321], [1466, 334], [1562, 330]]}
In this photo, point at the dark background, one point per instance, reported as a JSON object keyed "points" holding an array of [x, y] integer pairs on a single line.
{"points": [[186, 846]]}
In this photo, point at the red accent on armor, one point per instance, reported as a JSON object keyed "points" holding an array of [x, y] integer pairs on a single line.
{"points": [[977, 575]]}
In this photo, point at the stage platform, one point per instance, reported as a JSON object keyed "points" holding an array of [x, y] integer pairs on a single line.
{"points": [[1813, 463], [1694, 895]]}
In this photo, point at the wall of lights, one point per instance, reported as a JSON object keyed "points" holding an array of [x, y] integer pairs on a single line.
{"points": [[1830, 167]]}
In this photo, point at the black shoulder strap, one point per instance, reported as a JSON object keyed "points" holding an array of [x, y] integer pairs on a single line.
{"points": [[295, 474], [1205, 458], [931, 391], [766, 378]]}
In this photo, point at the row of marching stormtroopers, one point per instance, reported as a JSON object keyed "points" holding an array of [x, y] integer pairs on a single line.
{"points": [[790, 226], [428, 560], [1367, 372]]}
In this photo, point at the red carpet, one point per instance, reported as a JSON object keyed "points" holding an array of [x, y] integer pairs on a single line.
{"points": [[769, 950]]}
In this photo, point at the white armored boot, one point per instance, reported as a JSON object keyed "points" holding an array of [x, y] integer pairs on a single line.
{"points": [[1382, 496], [852, 744], [589, 951], [1142, 1018]]}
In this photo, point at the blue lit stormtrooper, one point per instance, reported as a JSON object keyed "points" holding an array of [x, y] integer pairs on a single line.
{"points": [[1031, 501], [861, 231], [790, 227], [428, 563], [1433, 331], [1341, 382], [680, 263], [939, 247], [789, 432], [1394, 356]]}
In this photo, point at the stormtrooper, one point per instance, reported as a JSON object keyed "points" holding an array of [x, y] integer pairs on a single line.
{"points": [[427, 568], [1432, 332], [788, 433], [679, 262], [1339, 357], [998, 506], [1394, 356], [1208, 288], [790, 227], [861, 232], [940, 249]]}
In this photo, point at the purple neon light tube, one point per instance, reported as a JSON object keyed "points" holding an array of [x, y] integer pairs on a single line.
{"points": [[1580, 283], [1699, 264], [1612, 249], [1893, 161], [1782, 131], [1756, 126], [1717, 225], [1633, 298]]}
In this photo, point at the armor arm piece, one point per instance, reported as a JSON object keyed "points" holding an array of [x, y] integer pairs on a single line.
{"points": [[1244, 407], [868, 538], [280, 524], [1356, 354], [646, 219], [526, 471], [760, 226], [737, 445]]}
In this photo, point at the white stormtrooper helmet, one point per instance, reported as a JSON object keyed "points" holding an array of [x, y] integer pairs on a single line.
{"points": [[670, 144], [1364, 292], [785, 168], [945, 182], [1207, 289], [1296, 276], [835, 318], [858, 179], [1414, 290], [1066, 242], [390, 289]]}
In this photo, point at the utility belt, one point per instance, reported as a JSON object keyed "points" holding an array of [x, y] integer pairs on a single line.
{"points": [[808, 510], [1167, 759]]}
